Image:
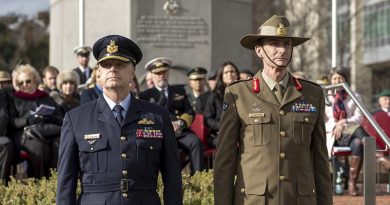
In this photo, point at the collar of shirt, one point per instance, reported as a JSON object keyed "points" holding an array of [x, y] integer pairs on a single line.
{"points": [[165, 90], [385, 109], [271, 83], [83, 69], [125, 104]]}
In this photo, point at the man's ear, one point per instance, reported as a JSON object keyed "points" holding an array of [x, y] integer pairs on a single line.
{"points": [[258, 50]]}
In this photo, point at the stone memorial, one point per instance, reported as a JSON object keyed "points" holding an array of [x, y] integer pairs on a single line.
{"points": [[192, 33]]}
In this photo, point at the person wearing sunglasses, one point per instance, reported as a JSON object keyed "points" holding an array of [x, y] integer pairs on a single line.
{"points": [[22, 106]]}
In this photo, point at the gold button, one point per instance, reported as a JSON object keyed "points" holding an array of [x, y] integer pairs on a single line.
{"points": [[282, 178], [281, 112], [256, 120], [151, 147], [124, 155], [242, 190], [282, 155], [124, 195], [282, 133], [91, 148], [123, 138], [306, 119], [124, 172], [314, 191]]}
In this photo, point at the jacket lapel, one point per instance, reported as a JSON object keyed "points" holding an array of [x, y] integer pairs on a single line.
{"points": [[132, 113], [105, 112], [291, 92], [171, 95]]}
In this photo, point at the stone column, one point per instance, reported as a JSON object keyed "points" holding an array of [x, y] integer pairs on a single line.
{"points": [[360, 74]]}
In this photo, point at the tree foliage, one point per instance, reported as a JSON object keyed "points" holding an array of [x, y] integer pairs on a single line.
{"points": [[24, 40]]}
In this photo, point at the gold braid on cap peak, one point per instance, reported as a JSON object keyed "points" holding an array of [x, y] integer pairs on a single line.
{"points": [[187, 118]]}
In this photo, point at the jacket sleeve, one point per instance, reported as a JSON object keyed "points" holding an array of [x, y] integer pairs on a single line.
{"points": [[226, 154], [188, 112], [322, 176], [68, 165], [170, 165], [4, 118], [210, 112]]}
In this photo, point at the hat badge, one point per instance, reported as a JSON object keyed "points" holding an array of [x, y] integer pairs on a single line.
{"points": [[112, 47], [281, 30], [159, 64]]}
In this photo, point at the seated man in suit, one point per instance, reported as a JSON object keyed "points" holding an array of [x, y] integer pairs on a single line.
{"points": [[384, 106], [196, 85], [174, 98]]}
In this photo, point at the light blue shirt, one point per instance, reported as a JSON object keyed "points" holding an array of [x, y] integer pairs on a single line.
{"points": [[125, 104]]}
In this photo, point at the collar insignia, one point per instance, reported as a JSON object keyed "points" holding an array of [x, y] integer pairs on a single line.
{"points": [[146, 122], [281, 30], [112, 47]]}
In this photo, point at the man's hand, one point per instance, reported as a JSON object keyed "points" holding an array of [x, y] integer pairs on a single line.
{"points": [[337, 131], [176, 127]]}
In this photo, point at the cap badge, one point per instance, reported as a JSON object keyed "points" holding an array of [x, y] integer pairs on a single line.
{"points": [[281, 30], [159, 64], [112, 47]]}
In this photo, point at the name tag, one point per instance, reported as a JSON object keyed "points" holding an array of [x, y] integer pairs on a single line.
{"points": [[92, 136], [254, 115]]}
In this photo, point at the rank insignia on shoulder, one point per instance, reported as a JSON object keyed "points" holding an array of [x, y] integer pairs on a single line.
{"points": [[178, 97], [92, 136], [145, 121], [149, 134], [225, 106]]}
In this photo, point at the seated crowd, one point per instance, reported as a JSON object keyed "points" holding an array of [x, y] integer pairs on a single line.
{"points": [[34, 105]]}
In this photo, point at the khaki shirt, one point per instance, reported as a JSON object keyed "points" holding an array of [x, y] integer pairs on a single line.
{"points": [[277, 151]]}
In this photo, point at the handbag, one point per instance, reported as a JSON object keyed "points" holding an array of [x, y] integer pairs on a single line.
{"points": [[31, 132]]}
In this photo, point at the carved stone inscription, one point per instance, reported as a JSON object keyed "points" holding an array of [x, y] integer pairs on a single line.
{"points": [[172, 31]]}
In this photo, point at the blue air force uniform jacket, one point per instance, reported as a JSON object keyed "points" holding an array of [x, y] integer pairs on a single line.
{"points": [[118, 164]]}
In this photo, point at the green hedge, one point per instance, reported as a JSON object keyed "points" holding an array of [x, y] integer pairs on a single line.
{"points": [[198, 190]]}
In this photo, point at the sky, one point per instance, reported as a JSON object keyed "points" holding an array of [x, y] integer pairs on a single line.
{"points": [[29, 7]]}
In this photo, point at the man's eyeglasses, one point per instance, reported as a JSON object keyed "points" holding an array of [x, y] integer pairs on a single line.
{"points": [[27, 82]]}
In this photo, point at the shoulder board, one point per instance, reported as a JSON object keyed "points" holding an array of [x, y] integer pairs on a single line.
{"points": [[242, 80], [308, 81]]}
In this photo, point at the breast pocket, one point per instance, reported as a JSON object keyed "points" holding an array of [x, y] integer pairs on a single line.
{"points": [[303, 127], [93, 155], [148, 153], [258, 130]]}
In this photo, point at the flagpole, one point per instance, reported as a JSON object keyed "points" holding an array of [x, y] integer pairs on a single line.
{"points": [[334, 33], [81, 22]]}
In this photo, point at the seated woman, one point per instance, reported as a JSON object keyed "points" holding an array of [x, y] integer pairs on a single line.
{"points": [[343, 120], [68, 97], [227, 73], [31, 130]]}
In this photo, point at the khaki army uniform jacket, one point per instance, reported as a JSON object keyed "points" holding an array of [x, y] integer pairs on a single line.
{"points": [[277, 151]]}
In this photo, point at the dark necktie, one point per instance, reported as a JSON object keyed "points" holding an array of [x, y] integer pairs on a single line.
{"points": [[86, 73], [118, 109], [279, 92], [163, 99]]}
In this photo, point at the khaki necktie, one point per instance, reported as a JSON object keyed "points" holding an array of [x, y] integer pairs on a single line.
{"points": [[279, 92]]}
